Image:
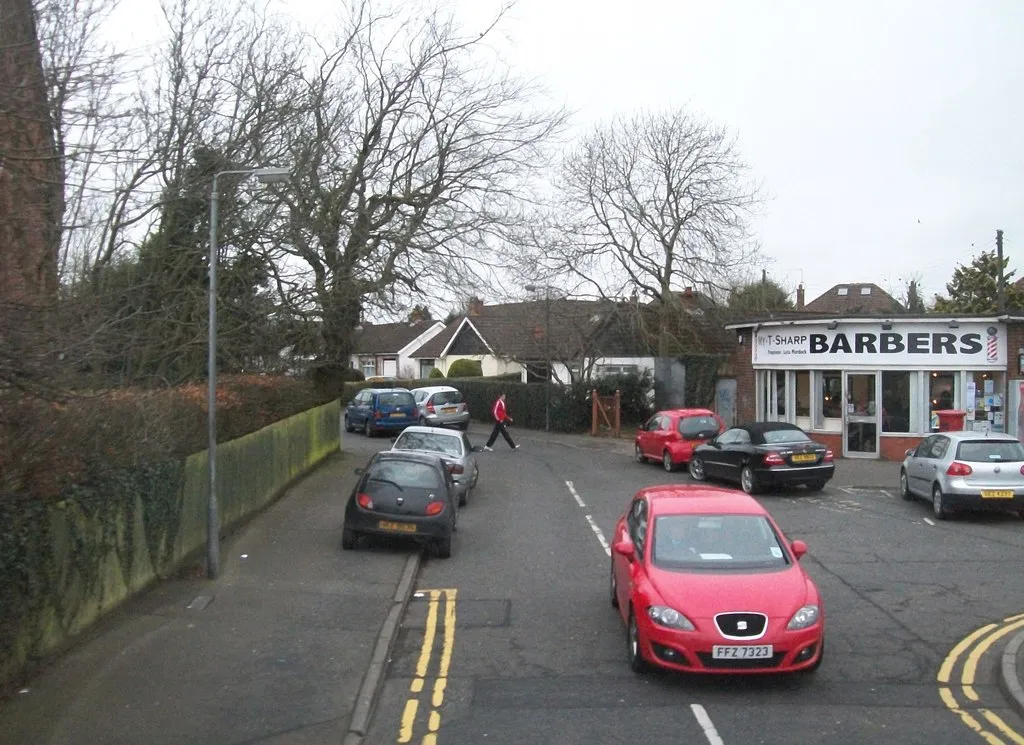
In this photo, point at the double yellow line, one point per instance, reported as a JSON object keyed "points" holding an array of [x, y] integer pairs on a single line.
{"points": [[405, 732], [978, 643]]}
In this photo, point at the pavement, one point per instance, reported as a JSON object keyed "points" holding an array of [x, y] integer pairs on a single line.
{"points": [[289, 646]]}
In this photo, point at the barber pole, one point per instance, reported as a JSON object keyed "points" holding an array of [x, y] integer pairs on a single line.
{"points": [[992, 352]]}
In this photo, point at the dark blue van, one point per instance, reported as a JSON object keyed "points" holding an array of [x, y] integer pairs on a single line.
{"points": [[375, 410]]}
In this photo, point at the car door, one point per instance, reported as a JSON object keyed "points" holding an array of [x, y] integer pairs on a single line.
{"points": [[636, 525], [716, 458], [358, 413], [472, 469], [735, 453], [646, 432], [917, 466]]}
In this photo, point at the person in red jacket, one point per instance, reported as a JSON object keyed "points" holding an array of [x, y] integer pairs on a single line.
{"points": [[501, 416]]}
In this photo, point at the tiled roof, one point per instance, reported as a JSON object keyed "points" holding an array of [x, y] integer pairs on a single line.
{"points": [[388, 338], [855, 298]]}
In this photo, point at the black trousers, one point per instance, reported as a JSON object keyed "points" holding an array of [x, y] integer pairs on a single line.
{"points": [[500, 427]]}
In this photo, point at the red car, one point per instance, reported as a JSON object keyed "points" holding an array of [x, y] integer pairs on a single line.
{"points": [[671, 435], [706, 582]]}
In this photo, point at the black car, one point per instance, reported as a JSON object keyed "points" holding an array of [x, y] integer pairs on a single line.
{"points": [[764, 454], [405, 494]]}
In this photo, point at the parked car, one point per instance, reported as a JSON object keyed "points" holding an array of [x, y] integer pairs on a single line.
{"points": [[406, 494], [966, 471], [706, 582], [376, 410], [670, 436], [763, 455], [441, 406], [453, 447]]}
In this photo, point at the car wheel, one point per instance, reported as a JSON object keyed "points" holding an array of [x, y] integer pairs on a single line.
{"points": [[905, 486], [638, 454], [348, 539], [444, 547], [348, 425], [939, 503], [748, 481], [636, 654], [697, 472], [370, 429], [816, 486], [666, 461], [614, 588]]}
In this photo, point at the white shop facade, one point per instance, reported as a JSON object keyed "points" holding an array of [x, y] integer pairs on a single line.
{"points": [[870, 387]]}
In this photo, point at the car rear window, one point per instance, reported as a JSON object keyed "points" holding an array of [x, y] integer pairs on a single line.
{"points": [[693, 427], [406, 474], [447, 397], [435, 443], [396, 398], [716, 542], [989, 451], [775, 436]]}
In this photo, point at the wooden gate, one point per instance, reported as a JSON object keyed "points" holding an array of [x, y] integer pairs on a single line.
{"points": [[605, 414]]}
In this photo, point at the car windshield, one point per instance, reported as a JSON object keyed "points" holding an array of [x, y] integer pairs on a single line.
{"points": [[395, 398], [698, 426], [435, 443], [406, 474], [716, 543], [446, 397], [775, 436], [990, 451]]}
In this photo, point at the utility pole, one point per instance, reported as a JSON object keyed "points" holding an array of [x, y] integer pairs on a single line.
{"points": [[1000, 278]]}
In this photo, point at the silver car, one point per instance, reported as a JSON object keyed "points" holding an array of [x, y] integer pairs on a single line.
{"points": [[453, 447], [965, 471], [441, 406]]}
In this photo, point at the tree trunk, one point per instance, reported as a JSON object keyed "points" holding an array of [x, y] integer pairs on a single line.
{"points": [[342, 308]]}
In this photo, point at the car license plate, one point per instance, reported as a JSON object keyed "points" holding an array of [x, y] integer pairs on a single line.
{"points": [[397, 413], [397, 527], [758, 652], [448, 409], [804, 457], [997, 494]]}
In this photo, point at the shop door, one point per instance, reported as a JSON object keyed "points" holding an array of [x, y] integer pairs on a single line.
{"points": [[861, 415], [773, 396]]}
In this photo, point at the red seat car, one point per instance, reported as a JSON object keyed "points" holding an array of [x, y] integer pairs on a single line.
{"points": [[670, 436], [706, 582]]}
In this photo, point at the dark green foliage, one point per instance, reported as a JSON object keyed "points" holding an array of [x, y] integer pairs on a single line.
{"points": [[701, 376], [435, 373], [764, 295], [465, 369], [973, 289], [329, 378]]}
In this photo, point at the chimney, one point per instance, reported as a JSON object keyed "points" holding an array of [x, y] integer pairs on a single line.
{"points": [[800, 297], [476, 306]]}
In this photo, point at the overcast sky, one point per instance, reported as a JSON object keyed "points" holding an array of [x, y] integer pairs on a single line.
{"points": [[887, 134]]}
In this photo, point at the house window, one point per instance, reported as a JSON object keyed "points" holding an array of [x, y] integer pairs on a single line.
{"points": [[843, 290], [369, 366], [618, 370], [425, 367], [865, 290], [896, 400]]}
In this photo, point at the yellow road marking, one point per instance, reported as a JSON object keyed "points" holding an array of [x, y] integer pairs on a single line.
{"points": [[971, 666], [963, 644], [1017, 617], [430, 633], [947, 698], [1003, 726]]}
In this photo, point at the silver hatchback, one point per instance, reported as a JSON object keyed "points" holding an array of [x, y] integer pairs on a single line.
{"points": [[965, 471], [453, 447], [441, 406]]}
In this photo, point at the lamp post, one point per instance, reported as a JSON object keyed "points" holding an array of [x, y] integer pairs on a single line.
{"points": [[547, 351], [265, 176]]}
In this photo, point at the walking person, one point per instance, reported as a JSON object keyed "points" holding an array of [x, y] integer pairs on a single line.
{"points": [[501, 416]]}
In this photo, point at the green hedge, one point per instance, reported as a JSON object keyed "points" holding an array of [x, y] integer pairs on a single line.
{"points": [[464, 368]]}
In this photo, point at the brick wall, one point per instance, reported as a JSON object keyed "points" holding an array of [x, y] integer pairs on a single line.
{"points": [[741, 368]]}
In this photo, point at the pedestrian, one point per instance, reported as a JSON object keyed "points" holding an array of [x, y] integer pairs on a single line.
{"points": [[501, 416]]}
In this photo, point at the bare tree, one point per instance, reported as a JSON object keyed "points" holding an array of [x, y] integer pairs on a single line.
{"points": [[414, 151], [656, 203]]}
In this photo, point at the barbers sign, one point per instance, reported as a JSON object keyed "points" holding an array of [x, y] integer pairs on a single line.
{"points": [[919, 345]]}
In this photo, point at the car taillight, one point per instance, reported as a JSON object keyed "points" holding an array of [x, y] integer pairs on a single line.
{"points": [[435, 508], [829, 456], [455, 468], [430, 408], [1022, 470], [364, 501], [774, 459], [377, 414], [959, 469]]}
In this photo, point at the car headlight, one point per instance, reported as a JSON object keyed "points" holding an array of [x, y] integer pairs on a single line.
{"points": [[806, 616], [670, 617]]}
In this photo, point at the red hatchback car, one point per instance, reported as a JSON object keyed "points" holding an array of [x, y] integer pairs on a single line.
{"points": [[670, 436], [706, 582]]}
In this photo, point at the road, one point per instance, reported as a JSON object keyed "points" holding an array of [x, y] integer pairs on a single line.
{"points": [[513, 639]]}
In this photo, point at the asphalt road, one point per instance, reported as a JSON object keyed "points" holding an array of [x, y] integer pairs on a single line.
{"points": [[513, 639]]}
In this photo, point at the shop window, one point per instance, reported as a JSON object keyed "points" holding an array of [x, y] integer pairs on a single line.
{"points": [[803, 393], [941, 395], [830, 398], [896, 401], [780, 394], [983, 402]]}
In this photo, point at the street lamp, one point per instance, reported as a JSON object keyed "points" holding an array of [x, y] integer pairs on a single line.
{"points": [[265, 176], [547, 351]]}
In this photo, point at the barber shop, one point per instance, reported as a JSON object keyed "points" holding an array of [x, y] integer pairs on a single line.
{"points": [[871, 388]]}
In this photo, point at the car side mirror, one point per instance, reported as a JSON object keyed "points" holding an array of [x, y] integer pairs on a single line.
{"points": [[799, 549], [359, 471], [910, 452], [625, 548]]}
